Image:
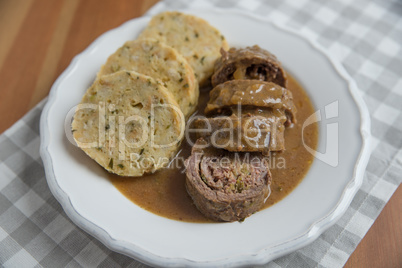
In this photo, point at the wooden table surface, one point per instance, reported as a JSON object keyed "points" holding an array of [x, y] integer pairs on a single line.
{"points": [[38, 39]]}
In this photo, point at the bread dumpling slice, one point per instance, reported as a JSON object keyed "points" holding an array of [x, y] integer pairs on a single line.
{"points": [[128, 123], [162, 62], [193, 37]]}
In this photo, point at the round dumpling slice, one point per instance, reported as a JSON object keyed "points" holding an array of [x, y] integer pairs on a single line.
{"points": [[162, 62], [128, 123], [193, 37]]}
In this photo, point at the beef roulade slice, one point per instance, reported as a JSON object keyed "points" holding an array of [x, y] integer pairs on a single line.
{"points": [[226, 186], [251, 93], [254, 130], [248, 63]]}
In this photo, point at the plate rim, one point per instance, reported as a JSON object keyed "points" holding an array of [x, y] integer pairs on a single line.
{"points": [[262, 256]]}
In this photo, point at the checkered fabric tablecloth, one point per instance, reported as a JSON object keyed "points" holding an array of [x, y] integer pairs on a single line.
{"points": [[365, 36]]}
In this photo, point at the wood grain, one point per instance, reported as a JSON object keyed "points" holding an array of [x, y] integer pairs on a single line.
{"points": [[38, 40], [382, 245]]}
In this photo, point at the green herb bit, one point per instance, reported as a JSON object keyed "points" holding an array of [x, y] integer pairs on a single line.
{"points": [[181, 80], [186, 86], [202, 59], [196, 35], [203, 179], [168, 126], [120, 166], [73, 130], [222, 37], [111, 163], [142, 150], [239, 185], [186, 39], [107, 127], [149, 82]]}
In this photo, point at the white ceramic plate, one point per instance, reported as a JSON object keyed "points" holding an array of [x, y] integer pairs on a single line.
{"points": [[92, 202]]}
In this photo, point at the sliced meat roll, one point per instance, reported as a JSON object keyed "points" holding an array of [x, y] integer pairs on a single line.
{"points": [[227, 186], [254, 130], [248, 63], [251, 93]]}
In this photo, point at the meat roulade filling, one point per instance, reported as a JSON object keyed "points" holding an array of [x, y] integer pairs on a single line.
{"points": [[227, 186], [248, 63], [231, 177]]}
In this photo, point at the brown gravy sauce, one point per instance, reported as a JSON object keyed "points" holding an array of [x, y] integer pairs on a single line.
{"points": [[164, 192]]}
